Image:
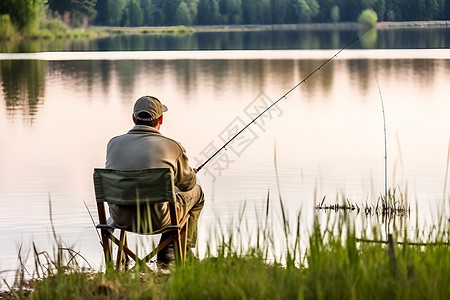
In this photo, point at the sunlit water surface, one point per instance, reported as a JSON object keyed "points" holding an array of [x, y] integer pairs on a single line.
{"points": [[58, 111]]}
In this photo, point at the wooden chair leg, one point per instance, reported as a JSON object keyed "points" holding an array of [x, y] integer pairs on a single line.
{"points": [[178, 248], [120, 251], [127, 252], [106, 244], [183, 235], [127, 258]]}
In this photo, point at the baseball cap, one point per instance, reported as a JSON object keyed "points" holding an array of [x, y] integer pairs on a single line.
{"points": [[148, 108]]}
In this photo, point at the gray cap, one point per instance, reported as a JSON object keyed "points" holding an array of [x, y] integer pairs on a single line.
{"points": [[148, 108]]}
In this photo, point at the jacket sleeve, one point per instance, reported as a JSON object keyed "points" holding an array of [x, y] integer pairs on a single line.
{"points": [[185, 177]]}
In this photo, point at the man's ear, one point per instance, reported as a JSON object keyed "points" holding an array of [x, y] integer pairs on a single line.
{"points": [[161, 119], [134, 119]]}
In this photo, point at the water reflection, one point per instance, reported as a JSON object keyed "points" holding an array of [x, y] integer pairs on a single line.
{"points": [[23, 84], [24, 81], [369, 40], [287, 39], [404, 38]]}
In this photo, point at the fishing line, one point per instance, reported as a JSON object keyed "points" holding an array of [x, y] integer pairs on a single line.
{"points": [[295, 86]]}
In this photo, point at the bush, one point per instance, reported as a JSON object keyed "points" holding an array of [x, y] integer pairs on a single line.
{"points": [[368, 17], [54, 26]]}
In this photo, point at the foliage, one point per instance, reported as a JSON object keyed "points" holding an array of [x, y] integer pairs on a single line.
{"points": [[133, 15], [24, 14], [236, 277], [214, 12], [368, 17], [208, 12], [306, 10], [7, 29], [336, 265], [55, 26], [74, 12]]}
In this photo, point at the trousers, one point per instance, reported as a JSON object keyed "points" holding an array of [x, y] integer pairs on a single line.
{"points": [[148, 218]]}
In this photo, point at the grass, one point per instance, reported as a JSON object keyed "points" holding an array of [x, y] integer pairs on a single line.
{"points": [[334, 264], [336, 258]]}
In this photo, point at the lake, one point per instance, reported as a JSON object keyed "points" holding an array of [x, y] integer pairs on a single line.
{"points": [[61, 102]]}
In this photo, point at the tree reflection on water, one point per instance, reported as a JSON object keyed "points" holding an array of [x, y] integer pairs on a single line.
{"points": [[23, 84]]}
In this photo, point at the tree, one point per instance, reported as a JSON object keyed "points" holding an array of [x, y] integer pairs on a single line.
{"points": [[431, 11], [368, 17], [192, 5], [7, 29], [325, 10], [380, 8], [349, 10], [334, 14], [447, 10], [183, 15], [392, 14], [305, 10], [280, 9], [231, 11], [419, 10], [133, 15], [115, 10], [74, 11], [266, 12], [208, 12], [251, 11], [146, 7], [102, 12], [24, 14], [169, 9]]}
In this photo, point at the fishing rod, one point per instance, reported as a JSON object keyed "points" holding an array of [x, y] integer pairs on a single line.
{"points": [[196, 170], [385, 136]]}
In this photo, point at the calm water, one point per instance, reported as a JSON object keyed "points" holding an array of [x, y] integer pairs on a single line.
{"points": [[59, 109]]}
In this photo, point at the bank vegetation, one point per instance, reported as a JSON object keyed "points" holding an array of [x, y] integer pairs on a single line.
{"points": [[74, 19]]}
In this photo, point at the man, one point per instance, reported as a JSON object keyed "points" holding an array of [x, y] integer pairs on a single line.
{"points": [[143, 147]]}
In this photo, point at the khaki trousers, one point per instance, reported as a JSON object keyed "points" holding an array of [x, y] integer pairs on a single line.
{"points": [[145, 219]]}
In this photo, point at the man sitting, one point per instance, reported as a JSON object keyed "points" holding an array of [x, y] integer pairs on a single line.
{"points": [[144, 147]]}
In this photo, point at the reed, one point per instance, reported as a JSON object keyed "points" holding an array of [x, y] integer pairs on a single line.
{"points": [[336, 261]]}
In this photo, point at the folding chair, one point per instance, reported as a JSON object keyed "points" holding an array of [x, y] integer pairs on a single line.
{"points": [[138, 188]]}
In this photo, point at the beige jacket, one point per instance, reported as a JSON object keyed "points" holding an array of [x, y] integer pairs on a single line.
{"points": [[144, 147]]}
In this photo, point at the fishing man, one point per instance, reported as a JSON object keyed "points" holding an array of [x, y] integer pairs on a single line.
{"points": [[144, 147]]}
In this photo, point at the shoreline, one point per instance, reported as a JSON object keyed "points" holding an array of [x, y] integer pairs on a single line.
{"points": [[265, 27], [92, 32]]}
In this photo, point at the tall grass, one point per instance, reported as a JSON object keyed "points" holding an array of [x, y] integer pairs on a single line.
{"points": [[337, 262]]}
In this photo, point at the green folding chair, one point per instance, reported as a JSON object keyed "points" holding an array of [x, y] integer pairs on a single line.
{"points": [[139, 188]]}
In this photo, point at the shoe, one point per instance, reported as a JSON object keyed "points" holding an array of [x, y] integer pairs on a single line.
{"points": [[166, 255]]}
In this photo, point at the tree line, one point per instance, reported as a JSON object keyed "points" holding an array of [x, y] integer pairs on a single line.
{"points": [[230, 12], [218, 12]]}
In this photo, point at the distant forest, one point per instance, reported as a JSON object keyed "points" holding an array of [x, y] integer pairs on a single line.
{"points": [[80, 13], [230, 12]]}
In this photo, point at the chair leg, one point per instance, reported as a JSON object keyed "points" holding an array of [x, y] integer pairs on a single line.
{"points": [[178, 249], [183, 235], [127, 258], [120, 251], [106, 244]]}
